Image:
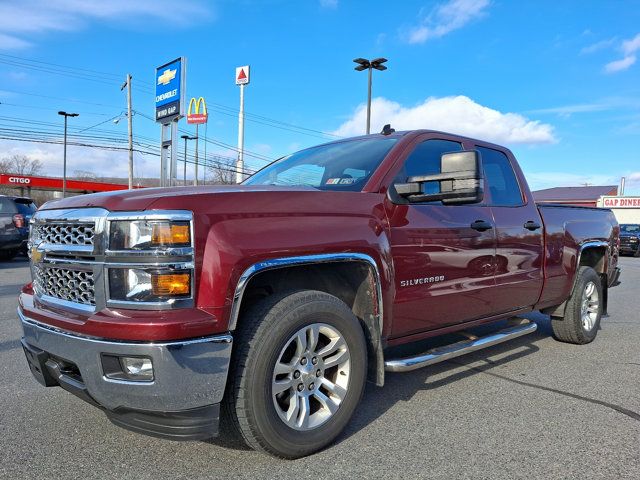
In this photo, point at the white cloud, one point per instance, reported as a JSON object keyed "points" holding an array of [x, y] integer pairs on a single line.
{"points": [[629, 49], [21, 21], [620, 65], [458, 114], [596, 47], [567, 110], [632, 45], [329, 3], [11, 42], [446, 17]]}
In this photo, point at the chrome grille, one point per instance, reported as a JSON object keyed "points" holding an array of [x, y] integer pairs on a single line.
{"points": [[70, 285], [64, 233]]}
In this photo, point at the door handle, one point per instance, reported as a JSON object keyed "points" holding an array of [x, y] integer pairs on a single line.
{"points": [[531, 225], [481, 225]]}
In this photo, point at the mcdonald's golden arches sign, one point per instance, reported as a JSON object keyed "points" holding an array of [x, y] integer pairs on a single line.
{"points": [[194, 114]]}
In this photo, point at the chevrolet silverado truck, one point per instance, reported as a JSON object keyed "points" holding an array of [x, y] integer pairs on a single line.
{"points": [[271, 303]]}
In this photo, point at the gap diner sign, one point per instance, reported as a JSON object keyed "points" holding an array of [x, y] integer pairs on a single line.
{"points": [[621, 202]]}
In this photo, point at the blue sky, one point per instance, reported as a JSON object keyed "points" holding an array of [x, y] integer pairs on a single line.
{"points": [[557, 82]]}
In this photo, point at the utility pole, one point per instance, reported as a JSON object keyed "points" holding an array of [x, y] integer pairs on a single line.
{"points": [[127, 84], [64, 162], [240, 162], [364, 64]]}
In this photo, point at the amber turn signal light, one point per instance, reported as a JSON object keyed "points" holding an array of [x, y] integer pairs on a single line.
{"points": [[170, 234], [164, 284]]}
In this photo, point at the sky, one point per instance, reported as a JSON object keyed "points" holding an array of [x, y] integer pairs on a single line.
{"points": [[558, 82]]}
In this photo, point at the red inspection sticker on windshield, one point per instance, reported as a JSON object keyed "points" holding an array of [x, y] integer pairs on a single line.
{"points": [[340, 181]]}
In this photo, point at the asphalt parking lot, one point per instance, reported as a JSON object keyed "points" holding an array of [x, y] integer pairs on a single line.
{"points": [[532, 408]]}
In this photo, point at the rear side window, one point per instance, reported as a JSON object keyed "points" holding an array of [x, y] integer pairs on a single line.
{"points": [[26, 207], [7, 205], [425, 160], [500, 177]]}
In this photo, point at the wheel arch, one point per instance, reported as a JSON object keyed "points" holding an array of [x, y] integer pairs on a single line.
{"points": [[352, 277], [592, 253]]}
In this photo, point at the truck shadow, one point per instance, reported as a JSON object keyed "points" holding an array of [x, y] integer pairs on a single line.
{"points": [[401, 387]]}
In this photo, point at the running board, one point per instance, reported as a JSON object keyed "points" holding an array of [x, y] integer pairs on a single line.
{"points": [[454, 350]]}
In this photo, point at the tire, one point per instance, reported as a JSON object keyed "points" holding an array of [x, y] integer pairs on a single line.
{"points": [[6, 255], [269, 334], [637, 253], [583, 312]]}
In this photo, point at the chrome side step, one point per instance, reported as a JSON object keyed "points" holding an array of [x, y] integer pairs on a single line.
{"points": [[441, 354]]}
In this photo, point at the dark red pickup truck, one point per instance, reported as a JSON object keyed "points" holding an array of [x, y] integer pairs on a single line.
{"points": [[277, 299]]}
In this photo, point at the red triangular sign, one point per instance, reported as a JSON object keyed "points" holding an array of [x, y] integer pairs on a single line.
{"points": [[242, 75]]}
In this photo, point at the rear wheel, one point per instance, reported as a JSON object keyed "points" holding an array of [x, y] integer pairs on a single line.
{"points": [[583, 312], [299, 373], [6, 255]]}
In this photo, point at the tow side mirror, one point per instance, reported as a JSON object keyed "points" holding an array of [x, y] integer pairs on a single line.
{"points": [[460, 181]]}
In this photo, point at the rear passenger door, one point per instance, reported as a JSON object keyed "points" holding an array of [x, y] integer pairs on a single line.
{"points": [[443, 265], [519, 249]]}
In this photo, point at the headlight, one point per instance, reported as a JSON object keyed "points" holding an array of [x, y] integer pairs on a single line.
{"points": [[140, 285], [148, 234]]}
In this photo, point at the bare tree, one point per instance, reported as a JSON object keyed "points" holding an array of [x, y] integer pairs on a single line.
{"points": [[84, 175], [222, 171], [21, 165]]}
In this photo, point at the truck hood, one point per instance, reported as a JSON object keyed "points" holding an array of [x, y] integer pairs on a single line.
{"points": [[144, 198]]}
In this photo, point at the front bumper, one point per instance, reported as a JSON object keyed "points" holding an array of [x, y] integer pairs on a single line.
{"points": [[182, 401]]}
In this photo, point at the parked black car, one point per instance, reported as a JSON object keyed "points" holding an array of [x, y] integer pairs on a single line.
{"points": [[15, 213], [630, 239]]}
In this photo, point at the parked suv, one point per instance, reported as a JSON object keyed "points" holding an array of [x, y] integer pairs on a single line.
{"points": [[630, 239], [15, 213]]}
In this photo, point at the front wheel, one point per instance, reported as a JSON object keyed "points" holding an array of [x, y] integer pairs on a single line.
{"points": [[583, 312], [298, 373]]}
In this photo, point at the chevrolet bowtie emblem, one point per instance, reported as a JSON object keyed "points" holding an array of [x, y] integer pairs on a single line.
{"points": [[167, 76], [36, 255]]}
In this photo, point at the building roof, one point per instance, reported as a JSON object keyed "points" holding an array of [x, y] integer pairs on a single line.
{"points": [[563, 194]]}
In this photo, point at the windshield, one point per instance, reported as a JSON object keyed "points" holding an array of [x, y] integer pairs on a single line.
{"points": [[630, 228], [336, 166]]}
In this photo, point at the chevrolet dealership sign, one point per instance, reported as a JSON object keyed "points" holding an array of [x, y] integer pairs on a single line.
{"points": [[170, 83]]}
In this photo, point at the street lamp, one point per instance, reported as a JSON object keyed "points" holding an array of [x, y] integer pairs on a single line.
{"points": [[364, 64], [64, 164], [184, 173]]}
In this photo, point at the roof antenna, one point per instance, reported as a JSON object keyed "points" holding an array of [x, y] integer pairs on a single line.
{"points": [[387, 130]]}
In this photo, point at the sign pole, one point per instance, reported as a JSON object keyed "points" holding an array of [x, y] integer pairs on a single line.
{"points": [[164, 154], [173, 153], [130, 124], [242, 79], [240, 162], [195, 177]]}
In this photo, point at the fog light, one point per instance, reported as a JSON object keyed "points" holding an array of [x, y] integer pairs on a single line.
{"points": [[137, 368]]}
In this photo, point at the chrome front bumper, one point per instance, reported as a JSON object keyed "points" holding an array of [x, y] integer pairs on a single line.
{"points": [[187, 374]]}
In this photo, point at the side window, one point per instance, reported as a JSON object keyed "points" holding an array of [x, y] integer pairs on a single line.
{"points": [[425, 160], [500, 177]]}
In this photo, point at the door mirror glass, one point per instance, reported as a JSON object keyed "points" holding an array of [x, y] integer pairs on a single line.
{"points": [[460, 181]]}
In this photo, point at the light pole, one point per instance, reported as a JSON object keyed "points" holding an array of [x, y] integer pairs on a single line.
{"points": [[64, 162], [364, 64], [184, 172]]}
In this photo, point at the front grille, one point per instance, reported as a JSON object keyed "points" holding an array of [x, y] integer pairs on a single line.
{"points": [[64, 233], [65, 284]]}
